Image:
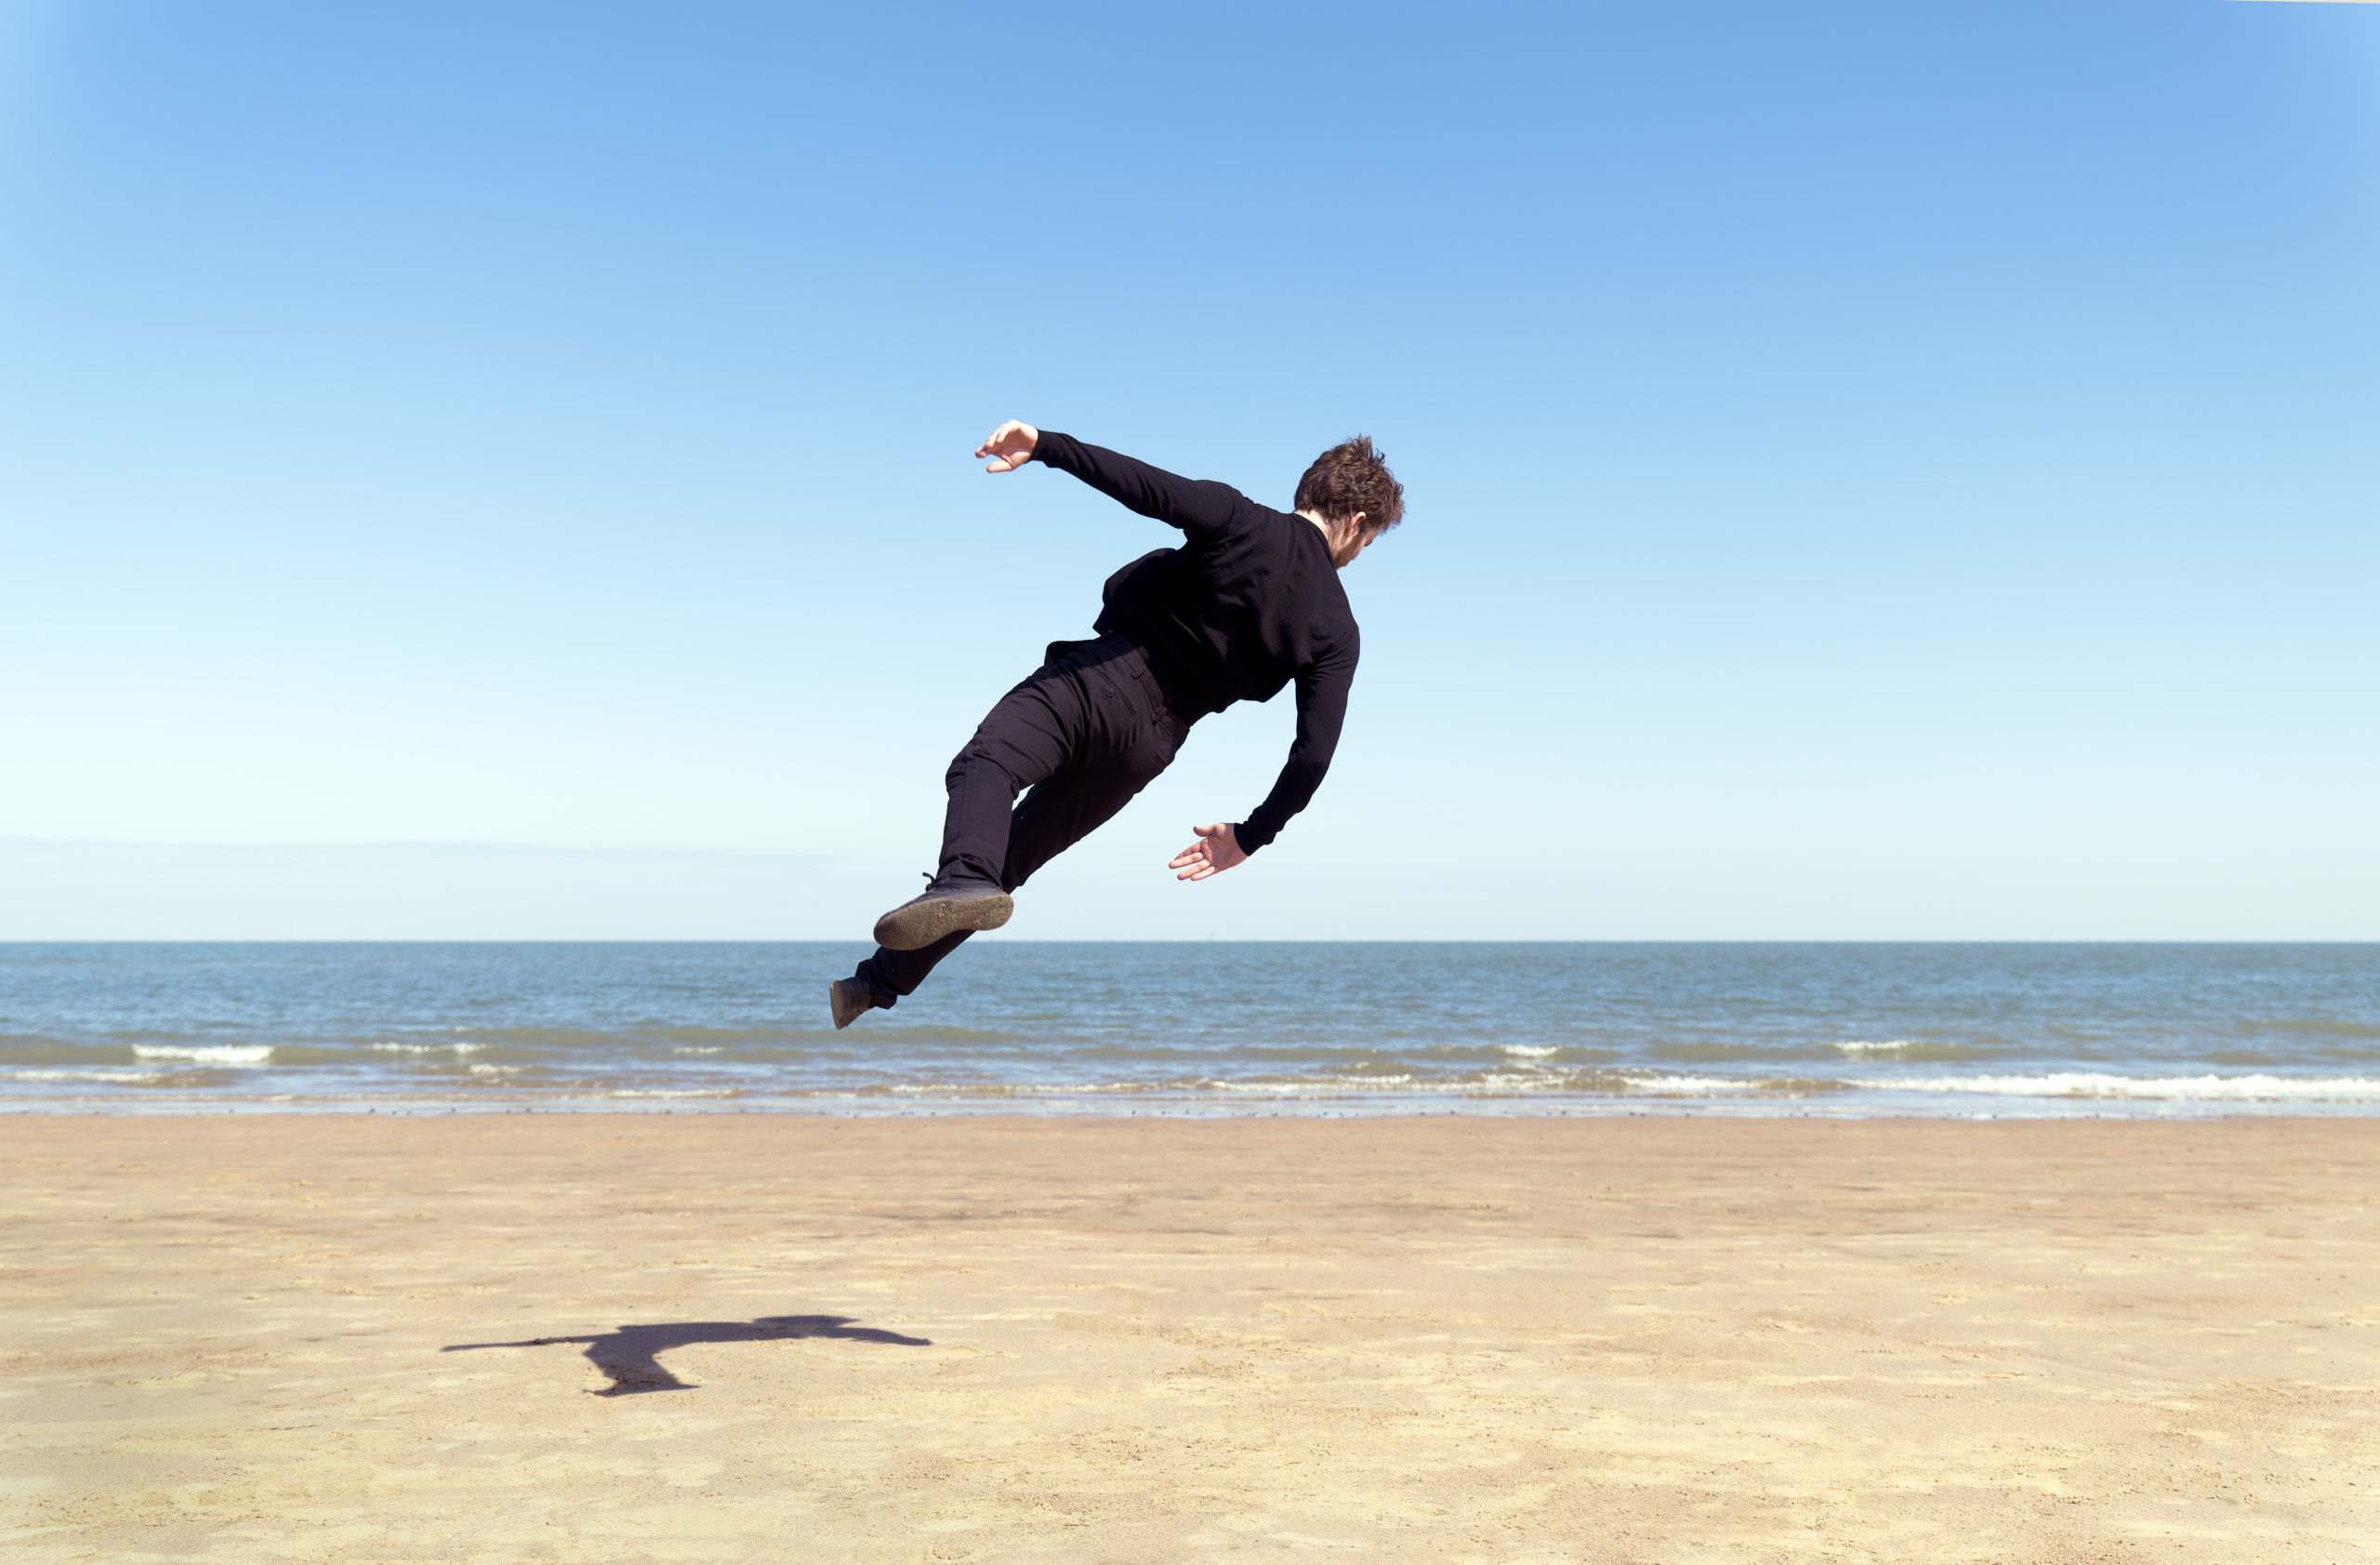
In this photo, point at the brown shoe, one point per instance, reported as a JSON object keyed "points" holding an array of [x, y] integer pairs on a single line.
{"points": [[850, 1000]]}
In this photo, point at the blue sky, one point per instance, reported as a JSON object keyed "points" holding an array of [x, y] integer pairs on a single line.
{"points": [[1874, 471]]}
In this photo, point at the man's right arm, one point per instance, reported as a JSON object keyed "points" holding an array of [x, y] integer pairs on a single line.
{"points": [[1322, 711], [1194, 505]]}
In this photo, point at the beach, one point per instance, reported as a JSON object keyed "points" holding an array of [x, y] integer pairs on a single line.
{"points": [[774, 1337]]}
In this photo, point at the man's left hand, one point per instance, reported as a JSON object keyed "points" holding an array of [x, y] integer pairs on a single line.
{"points": [[1216, 850], [1010, 447]]}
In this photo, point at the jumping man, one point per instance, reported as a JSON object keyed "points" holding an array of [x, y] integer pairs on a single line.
{"points": [[1250, 602]]}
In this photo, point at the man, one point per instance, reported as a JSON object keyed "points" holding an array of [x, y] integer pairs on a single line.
{"points": [[1248, 603]]}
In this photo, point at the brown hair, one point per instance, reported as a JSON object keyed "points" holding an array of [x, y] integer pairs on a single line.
{"points": [[1349, 477]]}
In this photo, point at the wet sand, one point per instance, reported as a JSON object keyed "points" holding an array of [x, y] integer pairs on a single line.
{"points": [[787, 1338]]}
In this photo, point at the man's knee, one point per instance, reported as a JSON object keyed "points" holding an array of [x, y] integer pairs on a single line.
{"points": [[977, 760]]}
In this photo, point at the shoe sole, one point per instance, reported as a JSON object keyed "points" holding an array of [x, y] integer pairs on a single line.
{"points": [[922, 923]]}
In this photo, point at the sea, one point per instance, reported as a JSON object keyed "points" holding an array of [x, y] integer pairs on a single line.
{"points": [[1197, 1028]]}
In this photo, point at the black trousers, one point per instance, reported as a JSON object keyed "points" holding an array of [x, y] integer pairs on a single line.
{"points": [[1087, 732]]}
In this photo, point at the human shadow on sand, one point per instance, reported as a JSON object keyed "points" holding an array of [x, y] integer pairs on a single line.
{"points": [[631, 1356]]}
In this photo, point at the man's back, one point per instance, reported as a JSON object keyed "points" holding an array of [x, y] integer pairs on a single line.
{"points": [[1250, 601]]}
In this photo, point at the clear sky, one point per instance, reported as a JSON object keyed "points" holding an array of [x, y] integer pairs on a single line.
{"points": [[1874, 471]]}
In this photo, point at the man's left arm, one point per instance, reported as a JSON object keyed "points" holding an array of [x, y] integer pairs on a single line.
{"points": [[1322, 710]]}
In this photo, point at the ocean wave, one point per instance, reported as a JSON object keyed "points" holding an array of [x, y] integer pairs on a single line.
{"points": [[1311, 1084], [1530, 1050], [2321, 1026], [636, 1038], [1597, 1083], [1701, 1086], [205, 1054], [1023, 1089], [427, 1048], [36, 1041], [1903, 1049], [675, 1092], [2085, 1083], [115, 1078]]}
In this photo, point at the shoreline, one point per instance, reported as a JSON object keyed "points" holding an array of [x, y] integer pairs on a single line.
{"points": [[1059, 1106], [1644, 1337]]}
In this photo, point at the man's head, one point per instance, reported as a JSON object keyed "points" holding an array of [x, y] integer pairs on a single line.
{"points": [[1352, 496]]}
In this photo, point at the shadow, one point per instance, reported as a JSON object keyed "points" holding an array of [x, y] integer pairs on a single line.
{"points": [[631, 1356]]}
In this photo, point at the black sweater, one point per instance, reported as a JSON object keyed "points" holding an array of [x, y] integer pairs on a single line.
{"points": [[1248, 603]]}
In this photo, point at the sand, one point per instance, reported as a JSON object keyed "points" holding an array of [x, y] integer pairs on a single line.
{"points": [[257, 1339]]}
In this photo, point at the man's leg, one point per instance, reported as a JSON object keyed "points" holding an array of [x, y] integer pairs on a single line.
{"points": [[888, 973], [1037, 731], [1057, 813], [1127, 738], [1072, 805], [1037, 728]]}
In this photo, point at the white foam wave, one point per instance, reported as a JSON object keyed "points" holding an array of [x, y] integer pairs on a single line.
{"points": [[691, 1049], [1698, 1084], [429, 1048], [205, 1054], [112, 1076], [1530, 1050], [2084, 1083], [1861, 1049], [496, 1069], [1312, 1084], [1011, 1089]]}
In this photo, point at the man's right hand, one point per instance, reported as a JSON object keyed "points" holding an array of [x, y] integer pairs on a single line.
{"points": [[1216, 850], [1010, 447]]}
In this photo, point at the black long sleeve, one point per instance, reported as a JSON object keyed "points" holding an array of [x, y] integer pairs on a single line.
{"points": [[1322, 708], [1195, 505], [1250, 602]]}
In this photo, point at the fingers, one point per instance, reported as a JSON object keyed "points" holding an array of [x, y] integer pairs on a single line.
{"points": [[1197, 861], [1005, 458]]}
